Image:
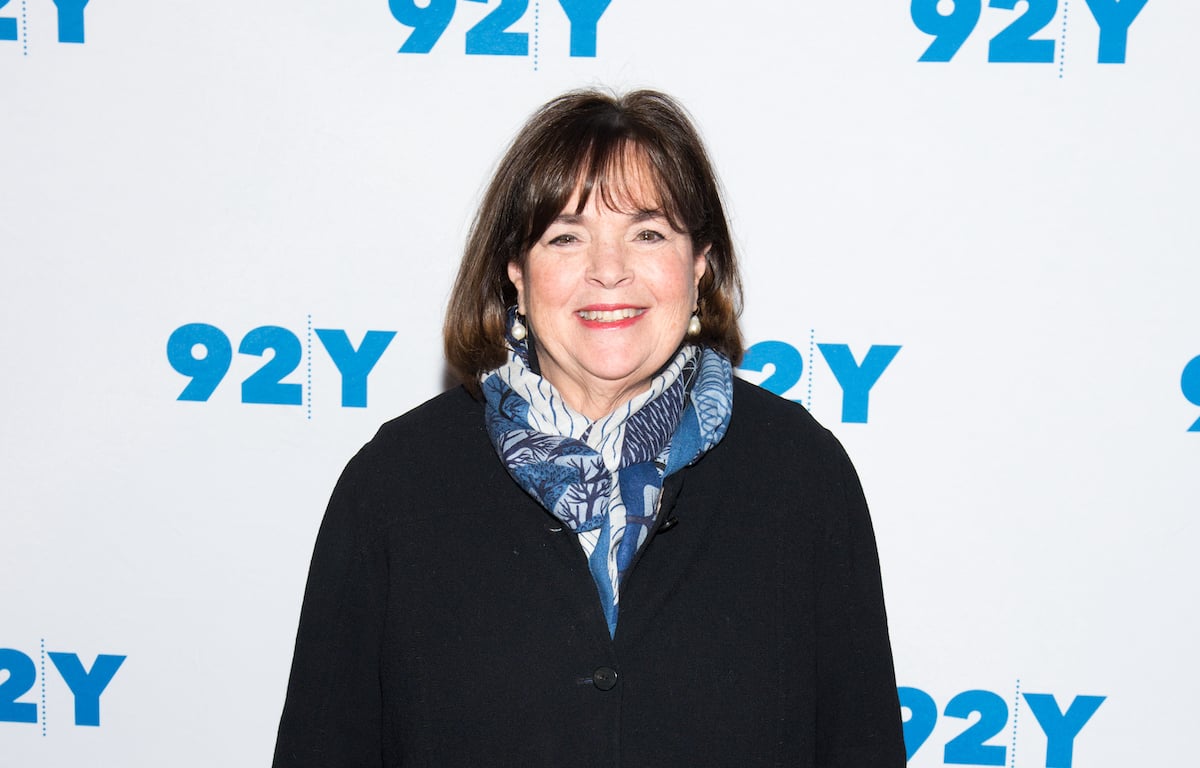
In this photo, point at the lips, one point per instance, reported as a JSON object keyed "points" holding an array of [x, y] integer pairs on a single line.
{"points": [[608, 316]]}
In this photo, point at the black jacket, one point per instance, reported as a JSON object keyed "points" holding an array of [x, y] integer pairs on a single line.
{"points": [[449, 620]]}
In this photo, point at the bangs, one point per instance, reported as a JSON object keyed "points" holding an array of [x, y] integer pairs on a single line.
{"points": [[620, 170], [625, 180]]}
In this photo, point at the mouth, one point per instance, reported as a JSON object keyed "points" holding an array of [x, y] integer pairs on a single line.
{"points": [[609, 315]]}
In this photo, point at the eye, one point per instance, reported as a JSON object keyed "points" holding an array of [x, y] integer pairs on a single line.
{"points": [[649, 236], [564, 239]]}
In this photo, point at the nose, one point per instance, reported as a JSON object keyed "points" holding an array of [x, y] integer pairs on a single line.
{"points": [[610, 266]]}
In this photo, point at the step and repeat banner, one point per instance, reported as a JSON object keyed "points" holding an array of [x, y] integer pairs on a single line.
{"points": [[970, 241]]}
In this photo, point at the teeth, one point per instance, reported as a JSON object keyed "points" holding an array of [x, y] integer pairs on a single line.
{"points": [[611, 315]]}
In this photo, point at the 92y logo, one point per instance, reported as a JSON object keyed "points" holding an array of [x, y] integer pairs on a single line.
{"points": [[203, 353], [855, 377], [85, 684], [490, 36], [951, 22], [70, 21], [1060, 727], [1189, 382]]}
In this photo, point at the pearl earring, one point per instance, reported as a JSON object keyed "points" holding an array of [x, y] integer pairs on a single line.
{"points": [[518, 330], [694, 325]]}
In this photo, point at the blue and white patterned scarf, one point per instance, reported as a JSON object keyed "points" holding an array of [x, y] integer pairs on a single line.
{"points": [[603, 479]]}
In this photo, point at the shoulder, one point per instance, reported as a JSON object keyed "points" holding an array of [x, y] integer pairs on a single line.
{"points": [[761, 418], [774, 450], [752, 401], [437, 424], [419, 455]]}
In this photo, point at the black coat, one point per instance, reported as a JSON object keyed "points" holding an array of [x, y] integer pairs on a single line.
{"points": [[449, 620]]}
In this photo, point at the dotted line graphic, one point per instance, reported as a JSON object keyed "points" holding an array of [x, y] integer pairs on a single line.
{"points": [[536, 26], [24, 34], [1012, 757], [43, 676], [812, 335], [308, 359], [1062, 42]]}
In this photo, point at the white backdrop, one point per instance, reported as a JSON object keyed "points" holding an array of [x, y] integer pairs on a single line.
{"points": [[1024, 232]]}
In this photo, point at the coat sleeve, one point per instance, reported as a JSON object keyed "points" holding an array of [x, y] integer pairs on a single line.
{"points": [[858, 712], [332, 713]]}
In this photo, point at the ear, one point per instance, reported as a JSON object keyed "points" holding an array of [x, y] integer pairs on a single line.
{"points": [[517, 277], [700, 267]]}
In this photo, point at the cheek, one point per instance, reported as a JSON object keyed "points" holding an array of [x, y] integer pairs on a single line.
{"points": [[546, 288], [680, 283]]}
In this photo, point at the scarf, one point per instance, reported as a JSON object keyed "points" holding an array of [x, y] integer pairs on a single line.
{"points": [[603, 479]]}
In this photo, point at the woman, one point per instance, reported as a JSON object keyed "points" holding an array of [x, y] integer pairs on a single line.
{"points": [[602, 550]]}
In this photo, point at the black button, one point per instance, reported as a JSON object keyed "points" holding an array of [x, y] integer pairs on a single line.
{"points": [[605, 678]]}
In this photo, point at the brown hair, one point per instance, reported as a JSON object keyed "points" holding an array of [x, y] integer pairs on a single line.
{"points": [[582, 141]]}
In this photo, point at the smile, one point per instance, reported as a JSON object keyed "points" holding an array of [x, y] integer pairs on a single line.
{"points": [[609, 315]]}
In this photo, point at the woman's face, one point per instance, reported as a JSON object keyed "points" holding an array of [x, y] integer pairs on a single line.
{"points": [[607, 295]]}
